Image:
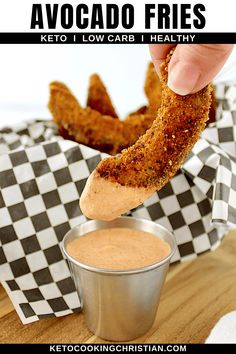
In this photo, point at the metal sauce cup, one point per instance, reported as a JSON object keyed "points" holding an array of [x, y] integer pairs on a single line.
{"points": [[119, 305]]}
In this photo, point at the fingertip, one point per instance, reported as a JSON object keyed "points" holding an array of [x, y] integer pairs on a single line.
{"points": [[193, 66], [183, 78], [158, 54], [157, 64]]}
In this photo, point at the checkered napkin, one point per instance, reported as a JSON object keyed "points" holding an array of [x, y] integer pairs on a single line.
{"points": [[42, 177]]}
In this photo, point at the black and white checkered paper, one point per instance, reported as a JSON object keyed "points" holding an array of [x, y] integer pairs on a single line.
{"points": [[42, 177]]}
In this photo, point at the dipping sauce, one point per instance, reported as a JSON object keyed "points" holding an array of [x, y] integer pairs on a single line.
{"points": [[118, 248], [101, 206]]}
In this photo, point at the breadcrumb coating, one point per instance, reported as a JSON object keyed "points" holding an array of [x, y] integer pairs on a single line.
{"points": [[158, 154], [94, 129], [98, 97]]}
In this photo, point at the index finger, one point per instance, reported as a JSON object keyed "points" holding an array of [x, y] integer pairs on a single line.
{"points": [[159, 52]]}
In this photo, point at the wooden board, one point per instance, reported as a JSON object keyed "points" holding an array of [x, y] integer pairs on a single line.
{"points": [[195, 296]]}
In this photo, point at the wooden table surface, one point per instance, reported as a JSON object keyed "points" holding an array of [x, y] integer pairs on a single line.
{"points": [[195, 296]]}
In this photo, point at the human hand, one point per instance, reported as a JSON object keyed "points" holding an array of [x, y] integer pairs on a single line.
{"points": [[192, 66]]}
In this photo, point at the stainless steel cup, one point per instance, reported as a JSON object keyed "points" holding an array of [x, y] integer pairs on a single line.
{"points": [[119, 305]]}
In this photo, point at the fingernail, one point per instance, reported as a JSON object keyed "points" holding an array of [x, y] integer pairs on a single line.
{"points": [[157, 68], [182, 78], [157, 64]]}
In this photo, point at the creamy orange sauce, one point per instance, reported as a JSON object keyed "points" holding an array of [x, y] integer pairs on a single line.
{"points": [[118, 248], [114, 200]]}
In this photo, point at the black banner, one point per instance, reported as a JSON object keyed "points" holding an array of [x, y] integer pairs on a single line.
{"points": [[115, 38], [122, 348]]}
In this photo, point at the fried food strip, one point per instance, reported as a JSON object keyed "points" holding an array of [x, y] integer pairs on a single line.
{"points": [[90, 127], [141, 110], [152, 89], [123, 182], [93, 127], [212, 113], [98, 97]]}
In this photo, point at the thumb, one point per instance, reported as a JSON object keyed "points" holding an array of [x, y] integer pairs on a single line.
{"points": [[193, 66]]}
